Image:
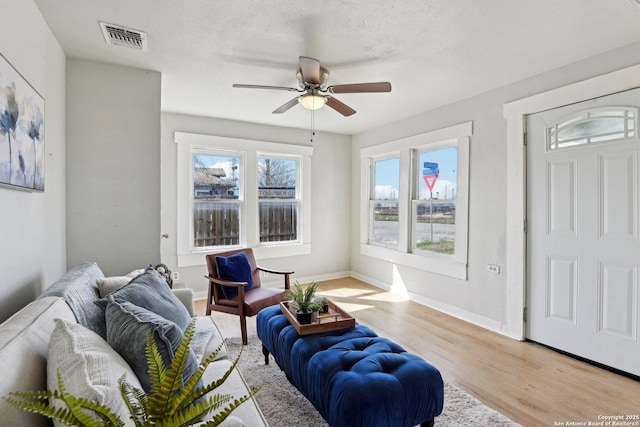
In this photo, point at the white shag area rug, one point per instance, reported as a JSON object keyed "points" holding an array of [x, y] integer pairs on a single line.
{"points": [[283, 405]]}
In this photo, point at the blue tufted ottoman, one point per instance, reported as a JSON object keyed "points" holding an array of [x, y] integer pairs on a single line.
{"points": [[353, 377]]}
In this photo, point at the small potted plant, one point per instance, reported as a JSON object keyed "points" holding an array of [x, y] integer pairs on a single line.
{"points": [[302, 299], [325, 304]]}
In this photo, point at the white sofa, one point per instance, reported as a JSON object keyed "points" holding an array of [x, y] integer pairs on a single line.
{"points": [[25, 340]]}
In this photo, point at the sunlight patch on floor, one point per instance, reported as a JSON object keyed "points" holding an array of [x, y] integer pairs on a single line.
{"points": [[386, 296], [343, 292], [351, 308]]}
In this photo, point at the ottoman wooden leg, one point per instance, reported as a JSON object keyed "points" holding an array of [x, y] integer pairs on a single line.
{"points": [[265, 351], [429, 423]]}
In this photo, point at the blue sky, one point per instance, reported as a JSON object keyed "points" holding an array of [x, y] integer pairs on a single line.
{"points": [[387, 175]]}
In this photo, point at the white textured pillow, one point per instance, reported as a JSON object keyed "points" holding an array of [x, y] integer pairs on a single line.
{"points": [[89, 367], [108, 285]]}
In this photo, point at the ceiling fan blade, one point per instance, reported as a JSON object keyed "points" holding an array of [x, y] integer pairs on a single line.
{"points": [[340, 107], [286, 106], [290, 89], [361, 87], [310, 70]]}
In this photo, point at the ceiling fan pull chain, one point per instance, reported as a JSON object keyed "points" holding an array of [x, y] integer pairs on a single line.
{"points": [[313, 125]]}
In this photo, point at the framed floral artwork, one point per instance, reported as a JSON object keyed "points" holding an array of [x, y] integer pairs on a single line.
{"points": [[21, 131]]}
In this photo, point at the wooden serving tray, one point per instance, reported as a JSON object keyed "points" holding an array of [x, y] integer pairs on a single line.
{"points": [[334, 320]]}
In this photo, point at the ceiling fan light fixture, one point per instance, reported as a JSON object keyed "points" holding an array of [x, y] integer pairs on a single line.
{"points": [[312, 102]]}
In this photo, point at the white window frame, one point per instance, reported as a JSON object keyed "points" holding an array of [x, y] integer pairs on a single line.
{"points": [[240, 201], [460, 236], [298, 197], [449, 265], [624, 114], [373, 200], [186, 143]]}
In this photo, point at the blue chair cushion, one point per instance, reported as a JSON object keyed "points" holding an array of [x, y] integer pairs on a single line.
{"points": [[234, 268]]}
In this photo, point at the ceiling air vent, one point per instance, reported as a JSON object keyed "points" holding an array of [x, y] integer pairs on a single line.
{"points": [[126, 37]]}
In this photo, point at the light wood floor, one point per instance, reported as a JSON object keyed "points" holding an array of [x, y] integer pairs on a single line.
{"points": [[530, 384]]}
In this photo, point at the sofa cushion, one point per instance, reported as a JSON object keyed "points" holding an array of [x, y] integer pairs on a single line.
{"points": [[207, 339], [235, 268], [108, 285], [128, 327], [150, 291], [24, 342], [89, 367], [79, 289], [185, 296]]}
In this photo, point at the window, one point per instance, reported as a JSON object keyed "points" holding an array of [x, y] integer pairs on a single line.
{"points": [[217, 199], [383, 206], [416, 201], [433, 210], [278, 199], [593, 126], [234, 193]]}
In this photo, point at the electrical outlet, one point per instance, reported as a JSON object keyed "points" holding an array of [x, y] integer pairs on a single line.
{"points": [[175, 275], [493, 268]]}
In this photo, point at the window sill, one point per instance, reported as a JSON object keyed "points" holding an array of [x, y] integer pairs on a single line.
{"points": [[260, 252], [434, 265]]}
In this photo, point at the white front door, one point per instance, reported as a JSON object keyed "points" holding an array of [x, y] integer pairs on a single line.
{"points": [[583, 239]]}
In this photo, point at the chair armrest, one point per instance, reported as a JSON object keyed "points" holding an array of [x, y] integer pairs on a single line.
{"points": [[227, 282], [287, 284], [239, 285], [269, 270], [185, 296]]}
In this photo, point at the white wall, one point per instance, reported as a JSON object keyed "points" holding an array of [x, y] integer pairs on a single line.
{"points": [[32, 225], [482, 298], [331, 195], [113, 166]]}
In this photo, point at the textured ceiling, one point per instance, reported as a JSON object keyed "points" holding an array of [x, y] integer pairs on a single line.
{"points": [[434, 52]]}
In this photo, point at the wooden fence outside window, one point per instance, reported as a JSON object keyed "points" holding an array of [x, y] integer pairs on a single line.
{"points": [[217, 223]]}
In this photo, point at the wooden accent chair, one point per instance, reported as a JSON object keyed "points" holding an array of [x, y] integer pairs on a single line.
{"points": [[246, 302]]}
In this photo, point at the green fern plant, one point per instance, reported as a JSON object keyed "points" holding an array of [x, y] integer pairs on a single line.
{"points": [[168, 404], [303, 298]]}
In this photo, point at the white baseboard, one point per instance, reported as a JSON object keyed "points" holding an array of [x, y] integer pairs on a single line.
{"points": [[370, 280], [467, 316]]}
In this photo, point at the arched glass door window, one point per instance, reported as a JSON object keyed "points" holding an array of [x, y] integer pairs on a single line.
{"points": [[593, 126]]}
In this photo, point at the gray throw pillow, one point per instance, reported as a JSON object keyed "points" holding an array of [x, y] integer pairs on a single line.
{"points": [[78, 288], [128, 327], [149, 290]]}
